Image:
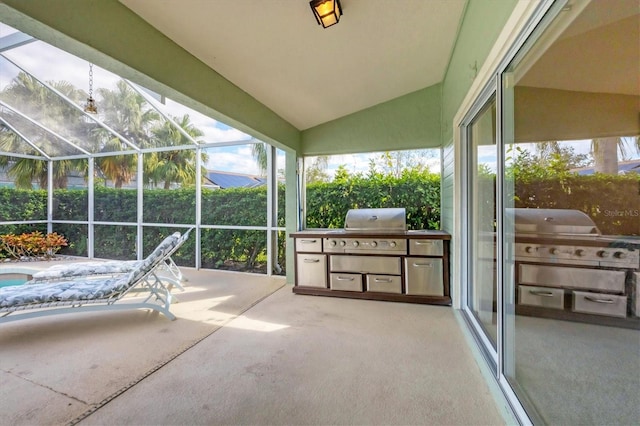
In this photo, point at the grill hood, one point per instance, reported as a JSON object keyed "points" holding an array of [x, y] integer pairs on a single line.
{"points": [[376, 220], [553, 221]]}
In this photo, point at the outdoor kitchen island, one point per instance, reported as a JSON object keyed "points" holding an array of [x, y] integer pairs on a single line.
{"points": [[382, 264]]}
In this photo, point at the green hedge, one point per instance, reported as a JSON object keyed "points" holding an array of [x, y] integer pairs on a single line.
{"points": [[221, 249], [418, 193], [612, 201], [22, 205]]}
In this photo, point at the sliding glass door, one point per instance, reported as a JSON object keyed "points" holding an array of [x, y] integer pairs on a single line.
{"points": [[482, 160], [554, 136]]}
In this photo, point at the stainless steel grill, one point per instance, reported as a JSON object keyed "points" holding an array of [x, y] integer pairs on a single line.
{"points": [[566, 265], [376, 220], [553, 222], [562, 236], [362, 232]]}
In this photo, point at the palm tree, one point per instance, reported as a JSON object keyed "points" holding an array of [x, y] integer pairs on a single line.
{"points": [[605, 155], [173, 166], [128, 113], [317, 171], [605, 152], [27, 95], [259, 153]]}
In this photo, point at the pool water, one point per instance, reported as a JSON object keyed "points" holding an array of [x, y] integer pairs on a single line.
{"points": [[13, 279]]}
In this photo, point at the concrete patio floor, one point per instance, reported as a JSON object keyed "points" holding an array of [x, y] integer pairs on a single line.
{"points": [[245, 350]]}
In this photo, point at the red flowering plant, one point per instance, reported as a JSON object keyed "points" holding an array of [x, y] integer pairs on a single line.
{"points": [[33, 244]]}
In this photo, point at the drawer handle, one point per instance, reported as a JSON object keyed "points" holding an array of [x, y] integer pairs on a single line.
{"points": [[382, 280], [345, 278], [599, 300], [311, 260], [541, 293], [420, 243], [308, 241], [423, 265]]}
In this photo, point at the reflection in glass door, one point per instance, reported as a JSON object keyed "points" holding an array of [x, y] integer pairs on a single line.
{"points": [[570, 129], [481, 222]]}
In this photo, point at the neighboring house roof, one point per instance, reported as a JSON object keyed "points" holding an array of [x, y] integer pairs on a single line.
{"points": [[235, 180], [216, 179], [624, 167]]}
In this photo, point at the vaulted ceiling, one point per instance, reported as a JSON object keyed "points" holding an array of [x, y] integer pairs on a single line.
{"points": [[276, 52]]}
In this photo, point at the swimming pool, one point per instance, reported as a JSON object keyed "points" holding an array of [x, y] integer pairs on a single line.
{"points": [[13, 278]]}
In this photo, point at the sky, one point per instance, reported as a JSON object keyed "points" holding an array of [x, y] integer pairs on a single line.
{"points": [[487, 153]]}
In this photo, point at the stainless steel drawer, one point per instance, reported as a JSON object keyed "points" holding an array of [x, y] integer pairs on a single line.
{"points": [[426, 247], [311, 270], [346, 282], [365, 264], [309, 245], [574, 278], [541, 296], [601, 304], [424, 276], [384, 283]]}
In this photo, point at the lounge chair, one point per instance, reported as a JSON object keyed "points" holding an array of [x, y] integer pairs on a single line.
{"points": [[102, 292], [167, 270]]}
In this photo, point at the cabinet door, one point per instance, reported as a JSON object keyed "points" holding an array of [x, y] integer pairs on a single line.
{"points": [[423, 276], [311, 270]]}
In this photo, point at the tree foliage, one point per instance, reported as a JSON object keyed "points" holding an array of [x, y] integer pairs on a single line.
{"points": [[416, 190], [122, 109]]}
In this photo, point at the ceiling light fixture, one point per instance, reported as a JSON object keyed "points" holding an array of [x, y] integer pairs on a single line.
{"points": [[327, 12], [91, 107]]}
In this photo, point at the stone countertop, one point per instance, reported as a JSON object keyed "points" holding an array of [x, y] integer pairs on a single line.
{"points": [[338, 233]]}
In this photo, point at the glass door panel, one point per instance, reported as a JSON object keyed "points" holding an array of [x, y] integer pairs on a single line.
{"points": [[481, 198], [570, 129]]}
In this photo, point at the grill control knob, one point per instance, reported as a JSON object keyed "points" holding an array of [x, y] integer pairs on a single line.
{"points": [[392, 244], [356, 244], [580, 253], [603, 253], [373, 244], [553, 251], [620, 255], [343, 243], [529, 249], [332, 243]]}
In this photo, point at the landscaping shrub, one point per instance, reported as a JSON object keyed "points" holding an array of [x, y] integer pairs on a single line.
{"points": [[33, 244]]}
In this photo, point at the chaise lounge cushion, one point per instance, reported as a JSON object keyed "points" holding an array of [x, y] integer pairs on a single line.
{"points": [[63, 291], [84, 269], [59, 272], [88, 288]]}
